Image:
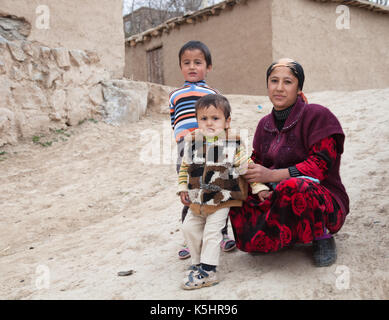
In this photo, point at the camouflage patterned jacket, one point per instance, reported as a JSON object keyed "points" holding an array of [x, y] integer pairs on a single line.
{"points": [[214, 180]]}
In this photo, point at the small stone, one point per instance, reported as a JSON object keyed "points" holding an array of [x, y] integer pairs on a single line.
{"points": [[125, 273], [78, 57], [15, 73], [55, 116], [93, 57], [27, 48], [62, 57], [16, 51], [96, 95], [2, 68], [3, 42], [45, 52], [50, 77]]}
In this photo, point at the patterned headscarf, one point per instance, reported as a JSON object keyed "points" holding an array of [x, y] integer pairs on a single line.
{"points": [[296, 69]]}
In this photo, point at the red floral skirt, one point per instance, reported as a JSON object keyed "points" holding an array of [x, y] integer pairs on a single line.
{"points": [[298, 211]]}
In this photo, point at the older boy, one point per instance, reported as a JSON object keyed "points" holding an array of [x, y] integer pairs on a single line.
{"points": [[195, 62]]}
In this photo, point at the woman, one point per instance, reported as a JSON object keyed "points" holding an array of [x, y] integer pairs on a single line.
{"points": [[296, 150]]}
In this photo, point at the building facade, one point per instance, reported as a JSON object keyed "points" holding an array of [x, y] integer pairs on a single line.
{"points": [[340, 47]]}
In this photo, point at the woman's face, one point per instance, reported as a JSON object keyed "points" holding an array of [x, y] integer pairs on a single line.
{"points": [[282, 88]]}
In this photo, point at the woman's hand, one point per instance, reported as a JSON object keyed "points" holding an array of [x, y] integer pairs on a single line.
{"points": [[258, 173], [185, 198]]}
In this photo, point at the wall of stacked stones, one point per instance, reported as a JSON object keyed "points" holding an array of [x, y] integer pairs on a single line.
{"points": [[44, 88]]}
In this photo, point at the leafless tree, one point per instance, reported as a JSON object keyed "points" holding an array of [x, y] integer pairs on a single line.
{"points": [[381, 2], [144, 14]]}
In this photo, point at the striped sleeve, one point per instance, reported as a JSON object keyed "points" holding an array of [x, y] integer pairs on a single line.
{"points": [[241, 161], [257, 187], [171, 109], [183, 177]]}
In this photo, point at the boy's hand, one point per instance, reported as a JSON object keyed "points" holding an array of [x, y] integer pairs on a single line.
{"points": [[263, 195], [185, 198]]}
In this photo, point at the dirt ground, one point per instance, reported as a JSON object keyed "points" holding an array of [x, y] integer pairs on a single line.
{"points": [[82, 204]]}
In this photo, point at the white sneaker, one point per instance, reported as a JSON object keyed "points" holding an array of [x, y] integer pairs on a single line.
{"points": [[192, 269], [199, 279]]}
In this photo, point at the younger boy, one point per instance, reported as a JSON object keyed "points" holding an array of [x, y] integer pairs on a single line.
{"points": [[195, 62], [210, 183]]}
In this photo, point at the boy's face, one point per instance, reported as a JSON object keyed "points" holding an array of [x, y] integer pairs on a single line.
{"points": [[193, 65], [211, 121]]}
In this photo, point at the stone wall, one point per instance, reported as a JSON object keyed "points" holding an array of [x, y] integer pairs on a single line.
{"points": [[43, 88], [95, 25]]}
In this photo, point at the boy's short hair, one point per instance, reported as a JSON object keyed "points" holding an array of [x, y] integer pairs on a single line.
{"points": [[216, 100], [192, 45]]}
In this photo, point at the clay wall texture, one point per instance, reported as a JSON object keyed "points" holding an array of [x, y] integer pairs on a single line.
{"points": [[77, 24], [239, 40], [333, 59], [244, 40]]}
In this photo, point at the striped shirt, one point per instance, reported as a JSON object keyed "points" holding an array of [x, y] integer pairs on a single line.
{"points": [[182, 106]]}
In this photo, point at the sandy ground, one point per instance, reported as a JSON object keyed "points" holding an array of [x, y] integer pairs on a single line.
{"points": [[77, 212]]}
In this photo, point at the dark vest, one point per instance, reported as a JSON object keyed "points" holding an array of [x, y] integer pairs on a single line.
{"points": [[305, 125]]}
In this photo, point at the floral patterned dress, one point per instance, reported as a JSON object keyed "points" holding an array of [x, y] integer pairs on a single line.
{"points": [[298, 211]]}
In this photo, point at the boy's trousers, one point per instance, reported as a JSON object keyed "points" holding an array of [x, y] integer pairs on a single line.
{"points": [[203, 235]]}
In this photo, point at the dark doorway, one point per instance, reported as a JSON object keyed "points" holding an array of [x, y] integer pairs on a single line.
{"points": [[155, 66]]}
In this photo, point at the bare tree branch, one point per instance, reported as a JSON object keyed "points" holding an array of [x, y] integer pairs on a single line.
{"points": [[145, 14], [381, 2]]}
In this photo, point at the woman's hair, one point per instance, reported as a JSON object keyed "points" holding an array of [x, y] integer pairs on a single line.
{"points": [[193, 45], [216, 100], [294, 66]]}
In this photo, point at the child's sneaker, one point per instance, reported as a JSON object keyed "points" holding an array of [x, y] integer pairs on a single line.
{"points": [[192, 269], [199, 279], [227, 244]]}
